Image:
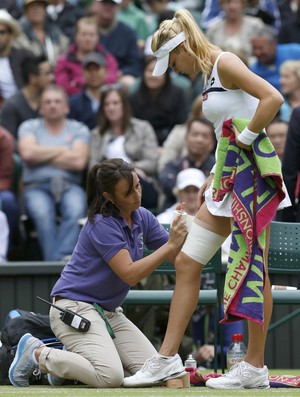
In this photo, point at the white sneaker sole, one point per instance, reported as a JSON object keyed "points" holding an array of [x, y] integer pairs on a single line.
{"points": [[156, 382], [227, 387]]}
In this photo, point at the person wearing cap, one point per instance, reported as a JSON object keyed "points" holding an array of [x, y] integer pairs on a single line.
{"points": [[119, 38], [68, 71], [11, 58], [40, 35], [84, 106], [200, 143], [230, 90], [186, 190]]}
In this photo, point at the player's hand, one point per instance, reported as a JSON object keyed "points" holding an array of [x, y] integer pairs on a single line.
{"points": [[239, 144]]}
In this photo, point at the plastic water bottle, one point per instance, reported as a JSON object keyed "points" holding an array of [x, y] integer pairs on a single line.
{"points": [[236, 351], [190, 364]]}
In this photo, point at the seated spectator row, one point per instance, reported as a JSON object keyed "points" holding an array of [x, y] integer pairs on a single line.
{"points": [[107, 93]]}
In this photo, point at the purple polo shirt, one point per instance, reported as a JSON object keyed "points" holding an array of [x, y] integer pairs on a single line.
{"points": [[88, 277]]}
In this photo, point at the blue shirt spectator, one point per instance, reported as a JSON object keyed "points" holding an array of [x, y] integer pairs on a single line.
{"points": [[270, 55]]}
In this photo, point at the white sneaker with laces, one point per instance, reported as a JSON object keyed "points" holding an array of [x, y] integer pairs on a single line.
{"points": [[24, 365], [156, 370], [241, 376]]}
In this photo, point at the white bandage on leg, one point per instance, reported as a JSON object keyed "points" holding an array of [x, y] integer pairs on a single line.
{"points": [[201, 244]]}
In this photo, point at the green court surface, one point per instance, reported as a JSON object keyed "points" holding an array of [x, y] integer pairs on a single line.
{"points": [[81, 391]]}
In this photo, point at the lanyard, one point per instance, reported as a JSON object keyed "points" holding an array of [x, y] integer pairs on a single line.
{"points": [[108, 327]]}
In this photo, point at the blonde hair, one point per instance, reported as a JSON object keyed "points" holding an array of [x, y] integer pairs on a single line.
{"points": [[291, 66], [196, 43]]}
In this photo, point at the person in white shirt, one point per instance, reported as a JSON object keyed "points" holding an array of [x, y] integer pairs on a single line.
{"points": [[188, 183]]}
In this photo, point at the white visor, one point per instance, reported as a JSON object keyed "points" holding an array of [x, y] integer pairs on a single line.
{"points": [[162, 54]]}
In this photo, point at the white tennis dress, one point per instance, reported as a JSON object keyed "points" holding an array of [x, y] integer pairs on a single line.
{"points": [[220, 104]]}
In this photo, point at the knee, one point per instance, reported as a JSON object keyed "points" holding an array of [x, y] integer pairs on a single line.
{"points": [[179, 261], [186, 267], [75, 209], [117, 380], [112, 380]]}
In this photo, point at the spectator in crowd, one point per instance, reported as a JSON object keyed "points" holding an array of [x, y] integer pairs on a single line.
{"points": [[288, 8], [291, 168], [174, 146], [153, 9], [55, 152], [290, 87], [11, 58], [290, 27], [200, 142], [23, 105], [270, 55], [107, 261], [85, 106], [158, 100], [266, 10], [111, 30], [8, 200], [133, 140], [65, 15], [234, 30], [134, 17], [40, 36], [277, 132], [68, 70], [12, 7], [186, 189], [4, 237]]}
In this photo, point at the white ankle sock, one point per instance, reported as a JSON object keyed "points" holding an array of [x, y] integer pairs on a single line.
{"points": [[161, 356]]}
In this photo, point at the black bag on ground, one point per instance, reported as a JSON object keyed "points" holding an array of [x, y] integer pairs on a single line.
{"points": [[17, 323]]}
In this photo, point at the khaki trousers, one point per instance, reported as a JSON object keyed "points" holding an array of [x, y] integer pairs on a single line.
{"points": [[93, 357]]}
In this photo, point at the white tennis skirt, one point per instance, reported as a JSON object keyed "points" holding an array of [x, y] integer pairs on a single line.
{"points": [[223, 208]]}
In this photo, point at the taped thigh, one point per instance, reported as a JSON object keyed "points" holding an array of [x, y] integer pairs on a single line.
{"points": [[201, 244]]}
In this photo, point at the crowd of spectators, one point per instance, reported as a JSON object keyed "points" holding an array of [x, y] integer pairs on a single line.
{"points": [[95, 55]]}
